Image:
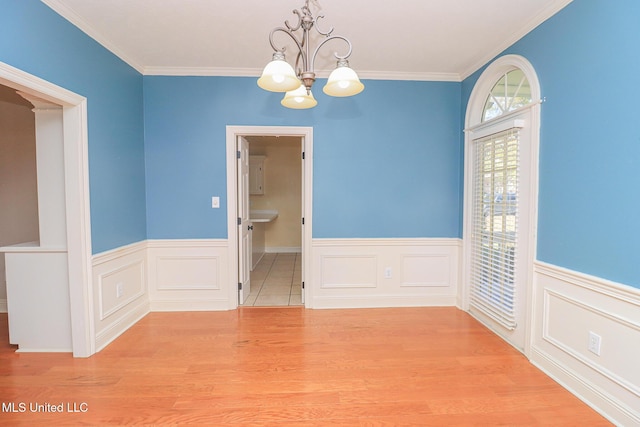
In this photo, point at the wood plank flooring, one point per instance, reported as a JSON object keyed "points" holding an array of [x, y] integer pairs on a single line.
{"points": [[287, 366]]}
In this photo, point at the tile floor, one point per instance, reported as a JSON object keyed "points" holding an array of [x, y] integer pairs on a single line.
{"points": [[276, 280]]}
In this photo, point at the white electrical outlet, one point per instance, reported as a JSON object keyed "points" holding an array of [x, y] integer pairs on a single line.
{"points": [[594, 343], [387, 273], [119, 290]]}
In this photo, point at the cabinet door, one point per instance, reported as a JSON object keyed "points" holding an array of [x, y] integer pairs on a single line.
{"points": [[256, 175]]}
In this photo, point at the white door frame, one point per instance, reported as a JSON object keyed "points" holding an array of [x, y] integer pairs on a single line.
{"points": [[473, 128], [232, 132], [76, 170], [245, 235]]}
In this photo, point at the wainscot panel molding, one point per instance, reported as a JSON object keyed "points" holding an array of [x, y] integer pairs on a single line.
{"points": [[568, 307], [361, 273], [189, 275], [120, 291]]}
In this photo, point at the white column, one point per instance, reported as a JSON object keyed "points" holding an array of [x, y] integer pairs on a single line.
{"points": [[50, 169]]}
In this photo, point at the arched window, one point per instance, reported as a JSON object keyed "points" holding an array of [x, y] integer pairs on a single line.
{"points": [[501, 151], [510, 93]]}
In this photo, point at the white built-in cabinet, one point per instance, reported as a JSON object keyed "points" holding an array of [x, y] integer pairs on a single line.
{"points": [[37, 272], [256, 175]]}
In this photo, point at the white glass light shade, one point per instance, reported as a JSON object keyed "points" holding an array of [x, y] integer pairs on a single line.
{"points": [[278, 75], [299, 99], [343, 81]]}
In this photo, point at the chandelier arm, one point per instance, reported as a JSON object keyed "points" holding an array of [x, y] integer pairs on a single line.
{"points": [[293, 37], [324, 33], [315, 53], [297, 27]]}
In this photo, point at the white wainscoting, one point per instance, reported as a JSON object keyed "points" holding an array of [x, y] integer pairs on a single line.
{"points": [[567, 307], [360, 273], [189, 275], [119, 291]]}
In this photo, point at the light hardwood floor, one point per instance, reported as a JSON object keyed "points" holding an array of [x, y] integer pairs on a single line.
{"points": [[289, 366]]}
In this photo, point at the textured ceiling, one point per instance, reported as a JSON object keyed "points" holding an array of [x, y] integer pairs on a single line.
{"points": [[403, 39]]}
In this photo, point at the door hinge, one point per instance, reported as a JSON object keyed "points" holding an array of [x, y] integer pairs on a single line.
{"points": [[239, 286], [238, 154], [303, 155], [239, 221], [302, 285], [302, 220]]}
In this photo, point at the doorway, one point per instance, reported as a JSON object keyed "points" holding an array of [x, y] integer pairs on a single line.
{"points": [[269, 213], [73, 123], [275, 203]]}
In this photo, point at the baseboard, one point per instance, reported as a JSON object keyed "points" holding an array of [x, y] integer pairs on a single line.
{"points": [[4, 308], [120, 325], [607, 405], [383, 301], [189, 305], [568, 306], [283, 250]]}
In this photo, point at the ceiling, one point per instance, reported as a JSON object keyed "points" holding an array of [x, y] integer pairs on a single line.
{"points": [[442, 40]]}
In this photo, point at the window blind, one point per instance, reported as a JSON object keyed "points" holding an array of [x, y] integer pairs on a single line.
{"points": [[495, 222]]}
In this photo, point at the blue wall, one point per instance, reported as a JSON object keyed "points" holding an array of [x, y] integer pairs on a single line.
{"points": [[587, 61], [386, 162], [36, 40]]}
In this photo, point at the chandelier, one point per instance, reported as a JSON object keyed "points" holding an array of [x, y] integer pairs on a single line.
{"points": [[279, 75]]}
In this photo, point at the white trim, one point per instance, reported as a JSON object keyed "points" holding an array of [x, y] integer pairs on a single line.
{"points": [[487, 80], [568, 305], [187, 243], [593, 283], [385, 272], [113, 254], [282, 250], [256, 72], [77, 198], [43, 350], [121, 325], [232, 133], [174, 286], [529, 154], [70, 15], [126, 265], [382, 301], [523, 30], [418, 241], [137, 264]]}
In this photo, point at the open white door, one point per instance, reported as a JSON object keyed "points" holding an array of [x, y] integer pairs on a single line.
{"points": [[304, 236], [244, 223]]}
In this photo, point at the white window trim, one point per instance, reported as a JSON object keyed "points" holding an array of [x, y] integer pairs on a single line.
{"points": [[475, 128]]}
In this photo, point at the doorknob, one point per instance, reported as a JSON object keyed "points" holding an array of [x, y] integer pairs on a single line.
{"points": [[250, 227]]}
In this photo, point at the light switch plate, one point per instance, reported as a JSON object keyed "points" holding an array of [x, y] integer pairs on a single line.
{"points": [[215, 202]]}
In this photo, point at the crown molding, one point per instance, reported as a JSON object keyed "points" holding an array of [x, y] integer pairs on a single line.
{"points": [[256, 72], [75, 19], [534, 22], [71, 16], [202, 71], [411, 76]]}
